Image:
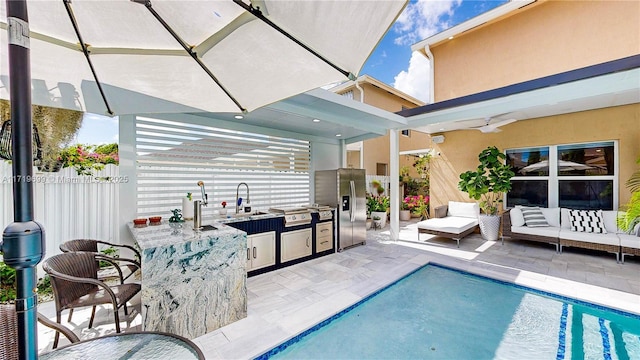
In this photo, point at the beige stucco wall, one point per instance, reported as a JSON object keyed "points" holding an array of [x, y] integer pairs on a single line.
{"points": [[459, 151], [377, 150], [541, 39]]}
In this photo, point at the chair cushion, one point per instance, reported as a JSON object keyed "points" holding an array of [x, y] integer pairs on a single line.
{"points": [[589, 221], [516, 217], [463, 209], [449, 224], [533, 217]]}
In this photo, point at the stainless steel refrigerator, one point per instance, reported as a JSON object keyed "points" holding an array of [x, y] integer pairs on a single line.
{"points": [[345, 190]]}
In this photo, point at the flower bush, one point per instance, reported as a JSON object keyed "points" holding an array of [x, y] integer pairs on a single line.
{"points": [[86, 159], [378, 203], [418, 204]]}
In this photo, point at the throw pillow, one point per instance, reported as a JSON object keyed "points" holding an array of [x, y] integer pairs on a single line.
{"points": [[533, 217], [591, 221]]}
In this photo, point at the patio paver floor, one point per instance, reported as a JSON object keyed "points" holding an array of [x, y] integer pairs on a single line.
{"points": [[285, 302]]}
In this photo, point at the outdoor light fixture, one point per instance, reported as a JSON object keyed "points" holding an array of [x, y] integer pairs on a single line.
{"points": [[5, 142], [338, 135], [239, 117], [316, 120]]}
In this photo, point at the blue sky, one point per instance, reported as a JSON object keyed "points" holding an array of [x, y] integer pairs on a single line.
{"points": [[391, 62]]}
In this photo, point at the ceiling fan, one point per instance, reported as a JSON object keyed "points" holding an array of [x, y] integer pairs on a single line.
{"points": [[490, 127]]}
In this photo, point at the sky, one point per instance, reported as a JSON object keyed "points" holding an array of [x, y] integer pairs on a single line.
{"points": [[392, 62]]}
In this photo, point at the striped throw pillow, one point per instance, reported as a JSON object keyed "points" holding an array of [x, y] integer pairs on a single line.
{"points": [[533, 217], [591, 221]]}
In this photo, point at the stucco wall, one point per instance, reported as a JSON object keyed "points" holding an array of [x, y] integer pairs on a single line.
{"points": [[459, 151], [377, 150], [542, 39]]}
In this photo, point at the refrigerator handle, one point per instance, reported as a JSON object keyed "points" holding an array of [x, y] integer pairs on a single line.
{"points": [[352, 200]]}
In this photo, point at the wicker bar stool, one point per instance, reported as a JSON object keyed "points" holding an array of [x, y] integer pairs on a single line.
{"points": [[74, 279], [91, 245], [9, 331]]}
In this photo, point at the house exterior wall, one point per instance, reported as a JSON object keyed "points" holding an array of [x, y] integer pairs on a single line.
{"points": [[542, 39], [377, 150], [459, 151]]}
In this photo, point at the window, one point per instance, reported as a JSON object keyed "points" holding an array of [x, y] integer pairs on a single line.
{"points": [[406, 132], [381, 169], [577, 176]]}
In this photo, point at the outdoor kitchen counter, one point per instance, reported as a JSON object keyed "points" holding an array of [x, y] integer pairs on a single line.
{"points": [[192, 282]]}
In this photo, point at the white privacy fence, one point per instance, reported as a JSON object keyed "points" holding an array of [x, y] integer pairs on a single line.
{"points": [[69, 206], [384, 180]]}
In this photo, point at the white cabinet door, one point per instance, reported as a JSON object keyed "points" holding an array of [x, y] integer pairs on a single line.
{"points": [[262, 250], [295, 244]]}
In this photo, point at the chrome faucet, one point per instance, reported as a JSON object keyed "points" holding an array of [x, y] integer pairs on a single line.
{"points": [[238, 196]]}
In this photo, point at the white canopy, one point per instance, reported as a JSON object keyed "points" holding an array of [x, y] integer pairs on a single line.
{"points": [[143, 69]]}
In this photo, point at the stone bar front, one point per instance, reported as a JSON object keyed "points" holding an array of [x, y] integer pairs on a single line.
{"points": [[192, 282]]}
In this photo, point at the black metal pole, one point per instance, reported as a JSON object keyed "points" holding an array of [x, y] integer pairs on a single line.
{"points": [[23, 240]]}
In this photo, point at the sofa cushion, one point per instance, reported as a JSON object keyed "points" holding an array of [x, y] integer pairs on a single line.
{"points": [[631, 241], [533, 217], [449, 224], [609, 239], [552, 215], [565, 223], [463, 209], [548, 231], [516, 217], [588, 221], [610, 218]]}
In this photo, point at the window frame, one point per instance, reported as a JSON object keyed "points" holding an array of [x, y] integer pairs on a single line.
{"points": [[553, 195]]}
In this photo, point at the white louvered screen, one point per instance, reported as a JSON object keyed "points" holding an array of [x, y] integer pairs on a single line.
{"points": [[173, 156]]}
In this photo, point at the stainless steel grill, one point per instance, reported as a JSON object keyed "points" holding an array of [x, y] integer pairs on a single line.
{"points": [[324, 211], [294, 216]]}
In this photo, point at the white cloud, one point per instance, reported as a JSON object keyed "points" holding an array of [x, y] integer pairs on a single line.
{"points": [[415, 81], [419, 21], [422, 19]]}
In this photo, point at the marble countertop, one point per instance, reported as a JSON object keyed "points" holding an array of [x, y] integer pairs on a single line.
{"points": [[152, 236]]}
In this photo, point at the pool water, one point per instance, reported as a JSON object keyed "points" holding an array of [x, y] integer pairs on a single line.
{"points": [[440, 313]]}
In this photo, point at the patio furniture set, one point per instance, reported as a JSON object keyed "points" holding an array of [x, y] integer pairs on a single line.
{"points": [[561, 227]]}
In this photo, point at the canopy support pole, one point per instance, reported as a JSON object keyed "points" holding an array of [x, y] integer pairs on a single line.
{"points": [[85, 50], [257, 13], [23, 240]]}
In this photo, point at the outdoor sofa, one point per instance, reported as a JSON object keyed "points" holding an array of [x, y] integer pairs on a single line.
{"points": [[594, 230], [454, 221]]}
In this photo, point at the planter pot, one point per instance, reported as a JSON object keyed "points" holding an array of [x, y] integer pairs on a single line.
{"points": [[382, 215], [369, 221], [489, 226], [405, 215], [223, 212]]}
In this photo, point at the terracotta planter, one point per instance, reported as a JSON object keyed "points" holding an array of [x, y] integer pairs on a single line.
{"points": [[405, 215]]}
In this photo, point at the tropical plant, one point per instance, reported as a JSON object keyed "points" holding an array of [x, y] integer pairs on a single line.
{"points": [[417, 204], [377, 203], [630, 217], [489, 182], [86, 159]]}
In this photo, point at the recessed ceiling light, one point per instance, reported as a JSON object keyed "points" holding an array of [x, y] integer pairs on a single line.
{"points": [[338, 135], [239, 117], [441, 129], [316, 120], [450, 37]]}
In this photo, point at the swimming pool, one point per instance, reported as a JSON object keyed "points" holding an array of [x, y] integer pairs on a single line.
{"points": [[440, 313]]}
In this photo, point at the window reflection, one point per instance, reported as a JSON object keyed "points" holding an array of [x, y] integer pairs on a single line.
{"points": [[586, 159], [528, 193], [586, 194], [529, 162]]}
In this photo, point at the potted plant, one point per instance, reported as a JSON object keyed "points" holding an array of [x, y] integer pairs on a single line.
{"points": [[418, 206], [488, 183], [378, 205], [223, 211], [405, 211]]}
